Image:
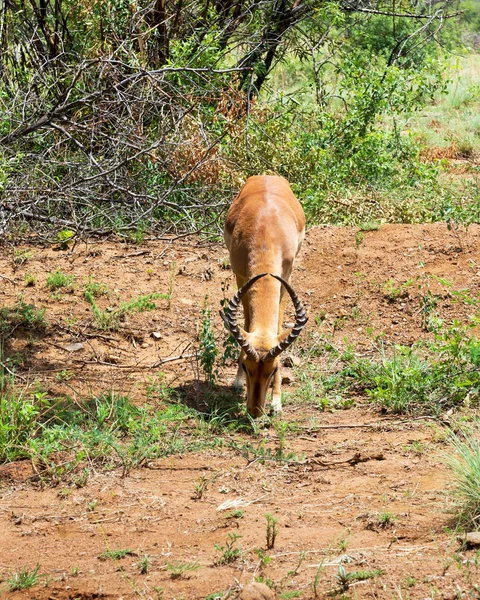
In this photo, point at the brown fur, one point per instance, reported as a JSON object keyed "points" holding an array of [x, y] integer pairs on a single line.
{"points": [[264, 230]]}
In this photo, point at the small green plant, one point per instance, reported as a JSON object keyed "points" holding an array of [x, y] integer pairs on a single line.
{"points": [[410, 581], [20, 257], [359, 237], [24, 579], [386, 519], [208, 348], [81, 479], [272, 530], [110, 319], [316, 580], [235, 514], [116, 554], [91, 506], [65, 237], [181, 569], [144, 564], [344, 579], [230, 552], [287, 594], [29, 279], [57, 280], [200, 487], [75, 571], [94, 288], [263, 557], [392, 291]]}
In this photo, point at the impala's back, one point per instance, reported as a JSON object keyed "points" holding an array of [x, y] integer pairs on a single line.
{"points": [[264, 230], [264, 226]]}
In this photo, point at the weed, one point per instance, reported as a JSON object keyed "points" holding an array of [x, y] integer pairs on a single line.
{"points": [[344, 579], [369, 226], [110, 319], [235, 514], [386, 519], [57, 280], [200, 487], [94, 288], [181, 569], [208, 348], [65, 237], [24, 579], [342, 544], [20, 257], [410, 581], [272, 530], [144, 564], [359, 237], [262, 454], [392, 291], [75, 571], [230, 552], [415, 447], [91, 506], [263, 557], [287, 595], [64, 375], [464, 463], [30, 279], [316, 580], [116, 554], [301, 558], [81, 479], [20, 314]]}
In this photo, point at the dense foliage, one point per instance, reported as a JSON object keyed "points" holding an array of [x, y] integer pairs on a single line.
{"points": [[139, 116]]}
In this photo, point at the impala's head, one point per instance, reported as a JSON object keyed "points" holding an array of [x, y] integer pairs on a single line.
{"points": [[262, 350]]}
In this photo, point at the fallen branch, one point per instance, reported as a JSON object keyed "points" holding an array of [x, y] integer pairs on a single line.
{"points": [[354, 460]]}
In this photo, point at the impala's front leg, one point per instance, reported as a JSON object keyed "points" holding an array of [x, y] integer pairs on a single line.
{"points": [[277, 392]]}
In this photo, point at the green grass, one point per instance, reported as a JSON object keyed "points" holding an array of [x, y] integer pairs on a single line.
{"points": [[453, 121], [182, 569], [20, 314], [111, 319], [429, 377], [464, 463], [57, 280], [116, 554], [64, 438], [23, 579]]}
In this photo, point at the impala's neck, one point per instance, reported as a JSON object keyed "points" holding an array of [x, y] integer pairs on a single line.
{"points": [[264, 305]]}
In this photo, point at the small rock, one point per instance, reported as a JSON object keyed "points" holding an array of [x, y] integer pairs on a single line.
{"points": [[257, 591], [472, 539], [291, 361], [287, 377], [75, 347], [156, 335]]}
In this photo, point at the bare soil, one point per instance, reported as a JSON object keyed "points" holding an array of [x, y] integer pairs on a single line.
{"points": [[359, 463]]}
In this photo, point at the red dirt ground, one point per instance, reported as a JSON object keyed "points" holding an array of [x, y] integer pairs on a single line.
{"points": [[328, 512]]}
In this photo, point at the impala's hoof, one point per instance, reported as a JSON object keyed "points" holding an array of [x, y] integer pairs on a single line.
{"points": [[276, 407]]}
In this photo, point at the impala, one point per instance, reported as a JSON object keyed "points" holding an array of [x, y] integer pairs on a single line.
{"points": [[264, 230]]}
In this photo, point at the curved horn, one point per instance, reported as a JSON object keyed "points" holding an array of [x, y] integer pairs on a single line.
{"points": [[300, 320], [230, 317]]}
